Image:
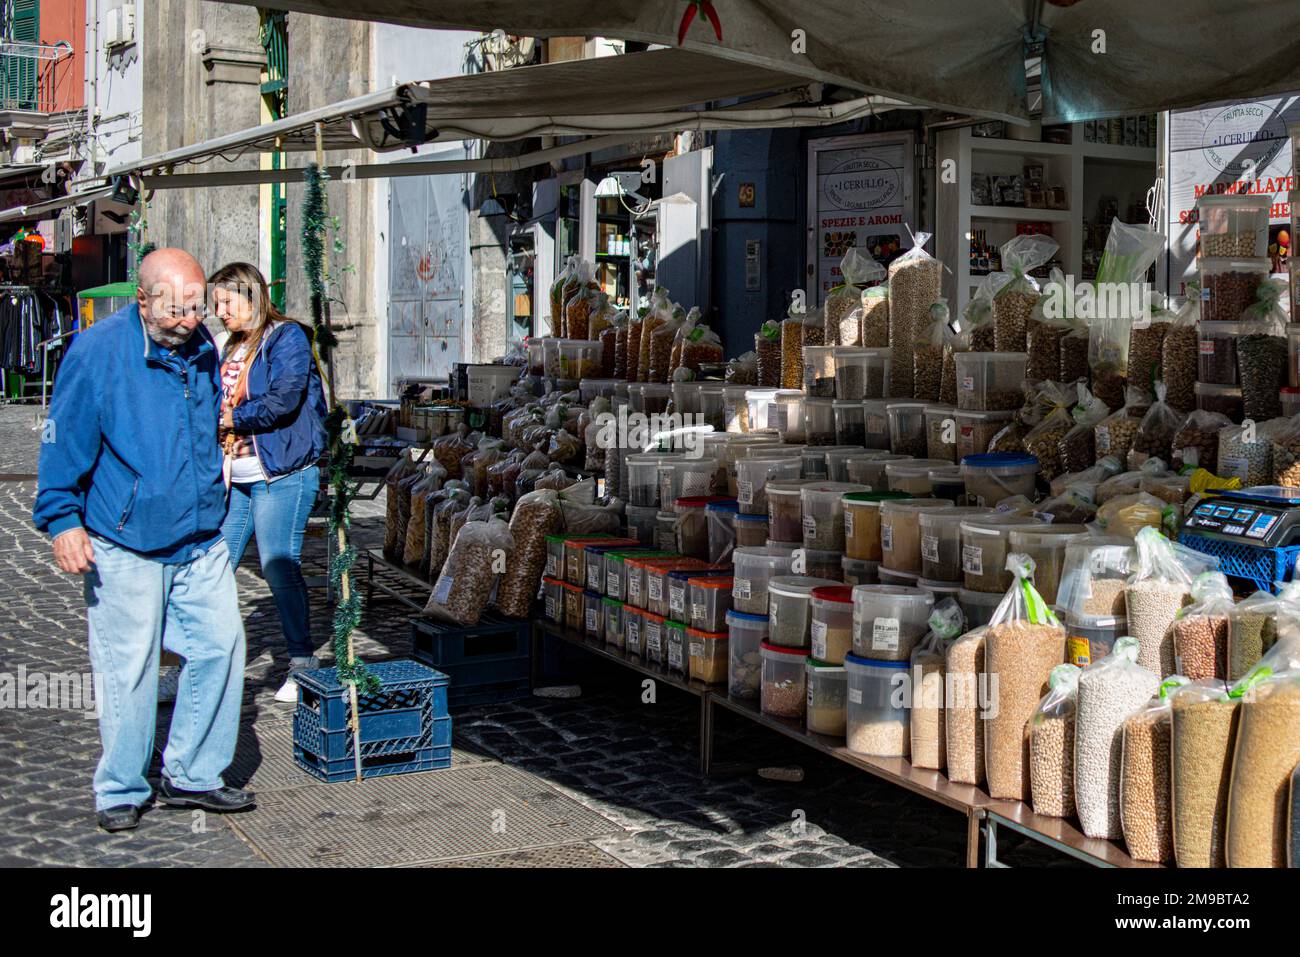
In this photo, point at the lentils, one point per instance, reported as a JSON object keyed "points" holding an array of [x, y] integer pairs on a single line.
{"points": [[1201, 646], [1152, 605], [1266, 754], [1178, 363], [1021, 656], [1204, 734], [1107, 696], [1144, 792], [1263, 362], [1012, 309], [1250, 634]]}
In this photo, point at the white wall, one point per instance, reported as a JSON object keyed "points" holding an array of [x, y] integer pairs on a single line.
{"points": [[114, 97], [404, 55]]}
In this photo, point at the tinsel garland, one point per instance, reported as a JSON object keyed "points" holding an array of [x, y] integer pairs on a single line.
{"points": [[347, 611]]}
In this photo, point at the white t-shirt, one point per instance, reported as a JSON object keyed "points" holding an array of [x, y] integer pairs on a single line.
{"points": [[244, 469]]}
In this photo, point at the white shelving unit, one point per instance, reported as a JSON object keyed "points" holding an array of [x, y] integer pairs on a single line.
{"points": [[1086, 170]]}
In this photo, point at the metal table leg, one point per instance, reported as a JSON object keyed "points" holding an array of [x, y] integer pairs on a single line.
{"points": [[706, 733], [973, 838]]}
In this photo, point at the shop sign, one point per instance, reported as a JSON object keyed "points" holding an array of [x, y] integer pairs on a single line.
{"points": [[860, 194], [1229, 148]]}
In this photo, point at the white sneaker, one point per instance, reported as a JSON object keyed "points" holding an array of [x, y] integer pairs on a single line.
{"points": [[288, 692], [169, 679]]}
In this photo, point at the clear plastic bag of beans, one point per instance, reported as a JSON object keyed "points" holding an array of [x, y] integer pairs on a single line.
{"points": [[875, 316], [701, 346], [927, 354], [584, 301], [659, 312], [1262, 353], [1178, 360], [1145, 788], [1076, 449], [915, 280], [1285, 443], [792, 352], [1146, 344], [1196, 443], [1160, 585], [659, 368], [1199, 632], [1016, 292], [394, 529], [1155, 436], [602, 317], [1051, 745], [1204, 735], [565, 285], [857, 270], [767, 346], [1043, 440], [1049, 324], [632, 352], [462, 591], [683, 331], [1116, 432]]}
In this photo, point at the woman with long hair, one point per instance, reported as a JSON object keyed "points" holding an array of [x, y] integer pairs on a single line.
{"points": [[273, 433]]}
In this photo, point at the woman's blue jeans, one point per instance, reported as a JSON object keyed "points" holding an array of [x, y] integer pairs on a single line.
{"points": [[278, 512]]}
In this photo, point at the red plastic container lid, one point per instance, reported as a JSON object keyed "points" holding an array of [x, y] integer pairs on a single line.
{"points": [[701, 501], [840, 593], [785, 650]]}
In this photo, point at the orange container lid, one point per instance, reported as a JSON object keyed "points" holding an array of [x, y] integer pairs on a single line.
{"points": [[652, 616], [697, 633], [714, 581]]}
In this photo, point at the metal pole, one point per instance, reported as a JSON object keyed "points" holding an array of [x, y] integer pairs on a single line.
{"points": [[345, 582]]}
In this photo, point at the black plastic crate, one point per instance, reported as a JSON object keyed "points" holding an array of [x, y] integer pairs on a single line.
{"points": [[487, 662]]}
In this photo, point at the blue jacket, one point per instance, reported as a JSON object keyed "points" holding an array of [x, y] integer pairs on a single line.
{"points": [[130, 445], [284, 410]]}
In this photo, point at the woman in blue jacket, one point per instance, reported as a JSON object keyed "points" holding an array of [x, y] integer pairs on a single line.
{"points": [[273, 433]]}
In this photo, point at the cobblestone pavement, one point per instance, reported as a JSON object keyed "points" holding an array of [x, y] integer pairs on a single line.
{"points": [[632, 764]]}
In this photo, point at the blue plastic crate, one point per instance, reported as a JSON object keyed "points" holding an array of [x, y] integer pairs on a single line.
{"points": [[487, 662], [1265, 568], [405, 716], [344, 769]]}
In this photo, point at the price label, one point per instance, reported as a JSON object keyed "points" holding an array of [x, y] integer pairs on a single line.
{"points": [[552, 565], [591, 620], [855, 695], [848, 523], [550, 608], [698, 611], [972, 559], [819, 640], [930, 548], [634, 587], [968, 383], [593, 577], [887, 537], [809, 526], [443, 589], [614, 583], [740, 588], [675, 655], [656, 588], [677, 597], [653, 640], [884, 634], [745, 492]]}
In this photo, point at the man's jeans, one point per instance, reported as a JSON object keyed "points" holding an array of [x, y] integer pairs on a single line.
{"points": [[134, 605], [278, 512]]}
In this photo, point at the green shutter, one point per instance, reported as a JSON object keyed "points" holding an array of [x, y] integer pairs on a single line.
{"points": [[20, 70]]}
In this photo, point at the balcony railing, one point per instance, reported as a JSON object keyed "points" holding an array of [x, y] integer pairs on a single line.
{"points": [[36, 77]]}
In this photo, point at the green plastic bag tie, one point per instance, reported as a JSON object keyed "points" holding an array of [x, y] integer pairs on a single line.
{"points": [[1260, 673], [771, 331], [1169, 684]]}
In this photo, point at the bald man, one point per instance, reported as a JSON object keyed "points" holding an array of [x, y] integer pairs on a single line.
{"points": [[132, 496]]}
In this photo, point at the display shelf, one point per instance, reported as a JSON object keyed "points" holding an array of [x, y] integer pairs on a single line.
{"points": [[1021, 214], [1056, 832], [377, 560]]}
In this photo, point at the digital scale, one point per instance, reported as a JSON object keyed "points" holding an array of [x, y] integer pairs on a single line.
{"points": [[1254, 532]]}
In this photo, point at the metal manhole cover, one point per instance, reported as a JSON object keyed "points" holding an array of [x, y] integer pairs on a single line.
{"points": [[416, 818], [563, 855]]}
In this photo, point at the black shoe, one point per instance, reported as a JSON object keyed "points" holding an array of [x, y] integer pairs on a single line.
{"points": [[224, 800], [122, 817]]}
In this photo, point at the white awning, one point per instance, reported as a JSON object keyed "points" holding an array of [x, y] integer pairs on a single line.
{"points": [[654, 91], [40, 211], [1100, 57]]}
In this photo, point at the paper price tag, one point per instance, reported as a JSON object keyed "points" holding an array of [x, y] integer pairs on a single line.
{"points": [[591, 619], [550, 608], [745, 492], [698, 611], [677, 598], [887, 537], [972, 559], [884, 634], [848, 523], [855, 695], [809, 526], [930, 548], [656, 589], [593, 577], [740, 588], [697, 649], [675, 655], [443, 590], [552, 566], [614, 584], [634, 588]]}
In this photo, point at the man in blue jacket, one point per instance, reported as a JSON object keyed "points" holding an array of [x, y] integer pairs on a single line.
{"points": [[132, 495]]}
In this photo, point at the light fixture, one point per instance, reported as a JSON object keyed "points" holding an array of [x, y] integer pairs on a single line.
{"points": [[499, 204], [124, 192]]}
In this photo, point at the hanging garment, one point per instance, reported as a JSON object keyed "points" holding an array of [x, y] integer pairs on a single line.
{"points": [[22, 327]]}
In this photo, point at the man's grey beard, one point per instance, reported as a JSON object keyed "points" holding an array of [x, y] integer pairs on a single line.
{"points": [[169, 338]]}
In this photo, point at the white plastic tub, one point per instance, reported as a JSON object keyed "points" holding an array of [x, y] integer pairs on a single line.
{"points": [[900, 532], [1046, 545], [784, 683], [752, 476], [911, 475], [871, 471], [876, 415], [984, 549], [753, 569], [995, 476], [907, 428], [831, 631], [789, 602], [746, 635], [487, 383], [941, 541], [823, 514], [828, 686], [888, 620], [977, 606], [990, 381]]}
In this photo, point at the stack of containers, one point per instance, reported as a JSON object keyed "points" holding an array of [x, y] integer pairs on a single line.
{"points": [[900, 535], [941, 542], [790, 609], [1233, 262], [985, 543]]}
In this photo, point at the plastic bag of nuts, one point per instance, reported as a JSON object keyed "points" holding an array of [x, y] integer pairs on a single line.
{"points": [[1048, 325], [1014, 300], [1146, 346], [767, 345], [584, 301], [1154, 438], [480, 552], [402, 469], [875, 316], [927, 354], [1262, 353], [858, 271], [792, 351], [1204, 735], [1286, 455], [1051, 745], [1196, 443], [1043, 440], [914, 285], [536, 515], [1116, 432], [1075, 449], [1178, 359]]}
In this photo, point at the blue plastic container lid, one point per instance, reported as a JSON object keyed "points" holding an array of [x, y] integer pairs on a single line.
{"points": [[688, 573], [993, 460], [851, 658], [746, 616], [730, 505], [747, 517]]}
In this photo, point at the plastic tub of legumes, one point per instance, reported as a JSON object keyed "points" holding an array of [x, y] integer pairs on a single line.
{"points": [[876, 722], [790, 609], [746, 634], [869, 470], [754, 568], [828, 686], [753, 474], [995, 476]]}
